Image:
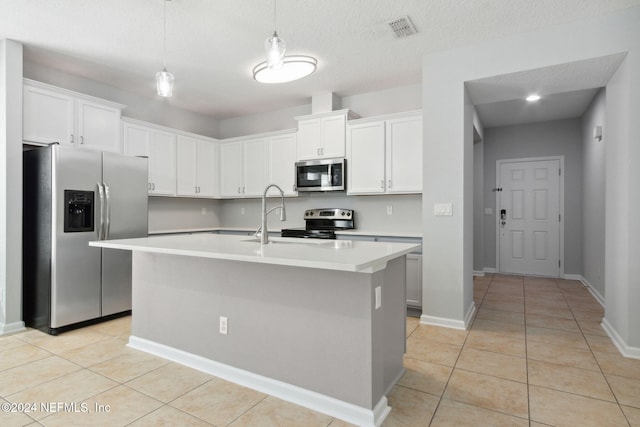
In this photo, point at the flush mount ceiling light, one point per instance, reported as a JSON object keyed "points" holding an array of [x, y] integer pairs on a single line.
{"points": [[533, 97], [164, 79], [279, 68]]}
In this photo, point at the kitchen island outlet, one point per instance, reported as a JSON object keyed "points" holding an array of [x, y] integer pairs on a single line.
{"points": [[317, 323]]}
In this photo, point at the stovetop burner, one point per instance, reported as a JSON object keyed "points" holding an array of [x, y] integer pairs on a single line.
{"points": [[322, 223]]}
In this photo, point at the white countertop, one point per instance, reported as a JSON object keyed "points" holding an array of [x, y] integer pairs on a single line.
{"points": [[355, 232], [342, 255]]}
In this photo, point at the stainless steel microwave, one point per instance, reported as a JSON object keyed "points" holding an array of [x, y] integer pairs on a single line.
{"points": [[320, 175]]}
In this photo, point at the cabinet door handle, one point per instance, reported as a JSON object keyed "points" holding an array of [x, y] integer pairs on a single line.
{"points": [[242, 190], [72, 138], [389, 183], [382, 184], [239, 190], [81, 139], [153, 186]]}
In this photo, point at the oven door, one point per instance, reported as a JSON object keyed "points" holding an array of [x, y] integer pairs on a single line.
{"points": [[320, 175]]}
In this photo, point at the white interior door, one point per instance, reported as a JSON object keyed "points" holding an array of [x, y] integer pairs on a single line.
{"points": [[529, 217]]}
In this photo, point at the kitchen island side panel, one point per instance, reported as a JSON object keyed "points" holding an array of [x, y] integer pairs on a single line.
{"points": [[316, 329]]}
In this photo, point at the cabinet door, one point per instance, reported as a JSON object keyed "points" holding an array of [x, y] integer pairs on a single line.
{"points": [[366, 158], [231, 169], [414, 280], [98, 126], [309, 139], [135, 140], [255, 167], [48, 116], [404, 155], [333, 137], [206, 166], [186, 169], [162, 163], [282, 159]]}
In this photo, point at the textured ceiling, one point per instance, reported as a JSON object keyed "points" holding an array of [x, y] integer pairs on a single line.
{"points": [[566, 91], [212, 45]]}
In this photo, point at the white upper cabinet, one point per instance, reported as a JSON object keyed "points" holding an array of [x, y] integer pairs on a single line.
{"points": [[196, 164], [52, 114], [160, 148], [404, 154], [385, 155], [231, 169], [255, 167], [366, 158], [321, 135], [281, 162]]}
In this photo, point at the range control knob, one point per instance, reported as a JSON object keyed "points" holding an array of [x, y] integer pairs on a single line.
{"points": [[342, 213], [348, 213]]}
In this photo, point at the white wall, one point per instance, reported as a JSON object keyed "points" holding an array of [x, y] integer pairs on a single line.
{"points": [[445, 280], [593, 196], [554, 138], [10, 187], [263, 122], [152, 109]]}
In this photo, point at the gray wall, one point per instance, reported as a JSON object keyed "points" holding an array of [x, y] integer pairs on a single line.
{"points": [[150, 109], [560, 137], [593, 198], [478, 207], [168, 214], [394, 100], [371, 211]]}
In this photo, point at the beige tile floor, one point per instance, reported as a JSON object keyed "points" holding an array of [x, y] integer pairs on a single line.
{"points": [[535, 355]]}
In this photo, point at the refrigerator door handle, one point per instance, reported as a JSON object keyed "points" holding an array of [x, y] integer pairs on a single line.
{"points": [[102, 206], [107, 226]]}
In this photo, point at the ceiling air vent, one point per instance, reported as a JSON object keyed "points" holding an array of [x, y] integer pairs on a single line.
{"points": [[402, 27]]}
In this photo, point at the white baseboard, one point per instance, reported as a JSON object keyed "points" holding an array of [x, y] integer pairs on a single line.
{"points": [[573, 277], [592, 290], [626, 350], [478, 273], [309, 399], [490, 270], [450, 323], [11, 328]]}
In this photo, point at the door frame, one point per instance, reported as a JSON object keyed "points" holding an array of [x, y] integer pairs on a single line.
{"points": [[499, 163]]}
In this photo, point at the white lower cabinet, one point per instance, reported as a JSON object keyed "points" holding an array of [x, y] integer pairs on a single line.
{"points": [[196, 167], [413, 266], [414, 280]]}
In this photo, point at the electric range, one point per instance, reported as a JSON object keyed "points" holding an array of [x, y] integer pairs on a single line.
{"points": [[323, 223]]}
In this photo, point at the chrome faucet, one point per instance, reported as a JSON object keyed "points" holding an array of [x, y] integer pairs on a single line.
{"points": [[264, 234]]}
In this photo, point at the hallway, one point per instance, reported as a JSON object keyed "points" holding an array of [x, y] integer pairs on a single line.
{"points": [[535, 355]]}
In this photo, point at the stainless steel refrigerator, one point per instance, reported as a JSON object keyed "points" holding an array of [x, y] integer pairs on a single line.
{"points": [[72, 196]]}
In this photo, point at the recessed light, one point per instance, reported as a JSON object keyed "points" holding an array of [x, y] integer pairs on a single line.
{"points": [[533, 97]]}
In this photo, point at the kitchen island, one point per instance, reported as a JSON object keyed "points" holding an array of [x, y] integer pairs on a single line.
{"points": [[320, 323]]}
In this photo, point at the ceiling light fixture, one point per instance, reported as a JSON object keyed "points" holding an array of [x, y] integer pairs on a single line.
{"points": [[279, 68], [533, 97], [164, 79]]}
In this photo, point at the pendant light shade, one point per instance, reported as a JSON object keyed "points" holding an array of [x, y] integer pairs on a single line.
{"points": [[275, 48], [164, 83], [293, 67], [164, 79], [279, 68]]}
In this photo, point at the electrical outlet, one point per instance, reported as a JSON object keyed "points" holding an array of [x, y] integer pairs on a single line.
{"points": [[204, 211], [241, 211], [389, 209], [224, 325], [378, 297]]}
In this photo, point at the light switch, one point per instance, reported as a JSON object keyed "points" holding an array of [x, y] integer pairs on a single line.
{"points": [[443, 209]]}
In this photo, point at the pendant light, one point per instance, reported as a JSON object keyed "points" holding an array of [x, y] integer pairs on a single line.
{"points": [[274, 46], [164, 79], [279, 68]]}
